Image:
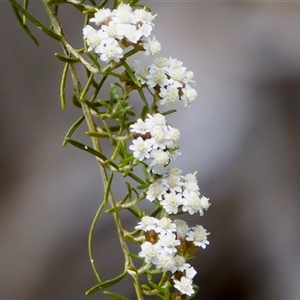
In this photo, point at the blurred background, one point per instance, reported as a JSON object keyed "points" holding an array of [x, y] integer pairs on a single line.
{"points": [[242, 135]]}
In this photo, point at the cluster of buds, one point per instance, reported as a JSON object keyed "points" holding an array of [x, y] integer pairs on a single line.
{"points": [[118, 29]]}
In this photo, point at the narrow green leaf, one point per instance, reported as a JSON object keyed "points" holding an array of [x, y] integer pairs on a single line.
{"points": [[108, 187], [97, 134], [136, 211], [171, 111], [131, 75], [49, 32], [116, 152], [106, 284], [126, 160], [72, 130], [66, 59], [24, 26], [86, 148], [111, 139], [62, 88], [90, 105], [115, 295]]}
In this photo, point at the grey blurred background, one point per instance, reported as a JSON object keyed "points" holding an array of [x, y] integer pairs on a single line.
{"points": [[242, 135]]}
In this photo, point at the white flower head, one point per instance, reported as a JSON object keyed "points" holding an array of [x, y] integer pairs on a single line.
{"points": [[156, 120], [149, 252], [161, 137], [158, 161], [92, 37], [164, 261], [189, 95], [123, 14], [184, 286], [181, 228], [191, 203], [144, 16], [190, 272], [198, 235], [152, 47], [141, 148], [169, 95], [168, 243], [173, 183], [132, 33], [155, 191], [171, 202], [147, 223], [140, 127], [111, 51], [165, 226], [157, 77], [101, 16]]}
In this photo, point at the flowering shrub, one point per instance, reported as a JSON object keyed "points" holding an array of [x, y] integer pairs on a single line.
{"points": [[149, 142]]}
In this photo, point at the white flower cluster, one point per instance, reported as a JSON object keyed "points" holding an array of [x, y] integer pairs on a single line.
{"points": [[178, 193], [118, 29], [168, 244], [171, 81], [154, 142]]}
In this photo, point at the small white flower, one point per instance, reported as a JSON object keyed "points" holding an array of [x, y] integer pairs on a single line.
{"points": [[168, 243], [160, 136], [177, 75], [180, 264], [165, 226], [158, 161], [161, 62], [146, 29], [141, 148], [184, 286], [101, 16], [191, 203], [190, 273], [152, 47], [188, 78], [156, 120], [173, 183], [156, 77], [140, 127], [190, 187], [149, 252], [147, 223], [171, 202], [204, 203], [174, 136], [189, 95], [132, 33], [198, 235], [123, 14], [92, 37], [169, 95], [143, 15], [173, 171], [155, 191], [114, 31], [111, 51], [175, 63], [164, 261], [181, 228]]}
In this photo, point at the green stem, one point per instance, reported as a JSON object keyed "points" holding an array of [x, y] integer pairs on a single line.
{"points": [[96, 145]]}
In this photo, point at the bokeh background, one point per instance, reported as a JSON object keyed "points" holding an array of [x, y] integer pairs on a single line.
{"points": [[242, 135]]}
